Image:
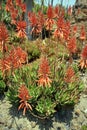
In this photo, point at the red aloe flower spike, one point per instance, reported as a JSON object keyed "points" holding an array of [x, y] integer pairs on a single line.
{"points": [[70, 10], [32, 18], [17, 57], [41, 18], [43, 73], [66, 30], [9, 5], [50, 12], [14, 15], [22, 55], [23, 7], [5, 65], [3, 47], [63, 29], [18, 2], [69, 75], [74, 29], [3, 33], [84, 53], [49, 24], [83, 33], [49, 21], [24, 97], [71, 45], [56, 12], [21, 26], [83, 63], [13, 59], [57, 33], [35, 23]]}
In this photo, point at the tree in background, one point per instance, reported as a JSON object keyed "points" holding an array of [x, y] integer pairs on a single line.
{"points": [[51, 2], [29, 7]]}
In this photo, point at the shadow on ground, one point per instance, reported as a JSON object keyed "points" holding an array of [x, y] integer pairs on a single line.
{"points": [[64, 115]]}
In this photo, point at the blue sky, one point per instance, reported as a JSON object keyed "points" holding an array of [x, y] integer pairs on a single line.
{"points": [[65, 2]]}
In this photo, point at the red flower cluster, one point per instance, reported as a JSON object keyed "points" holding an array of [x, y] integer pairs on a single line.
{"points": [[21, 26], [3, 33], [84, 52], [71, 45], [24, 97], [49, 21], [83, 61], [83, 33], [15, 59], [69, 75], [5, 65], [12, 7], [56, 12], [35, 23], [53, 16], [63, 29], [70, 10], [43, 73], [18, 2], [74, 29], [3, 37], [50, 13]]}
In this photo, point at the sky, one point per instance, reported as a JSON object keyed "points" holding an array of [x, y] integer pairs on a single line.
{"points": [[65, 2]]}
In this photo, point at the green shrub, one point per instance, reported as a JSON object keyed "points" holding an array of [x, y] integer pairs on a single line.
{"points": [[32, 50], [44, 100], [84, 127], [2, 84]]}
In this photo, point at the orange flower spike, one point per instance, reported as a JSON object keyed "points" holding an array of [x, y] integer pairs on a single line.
{"points": [[21, 26], [9, 5], [49, 24], [13, 58], [14, 14], [23, 93], [60, 23], [84, 53], [83, 33], [3, 33], [83, 63], [17, 57], [23, 7], [18, 2], [71, 45], [74, 29], [22, 55], [49, 21], [24, 97], [41, 18], [0, 5], [56, 11], [56, 33], [69, 75], [70, 10], [43, 73], [44, 68], [50, 12], [32, 18], [5, 65]]}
